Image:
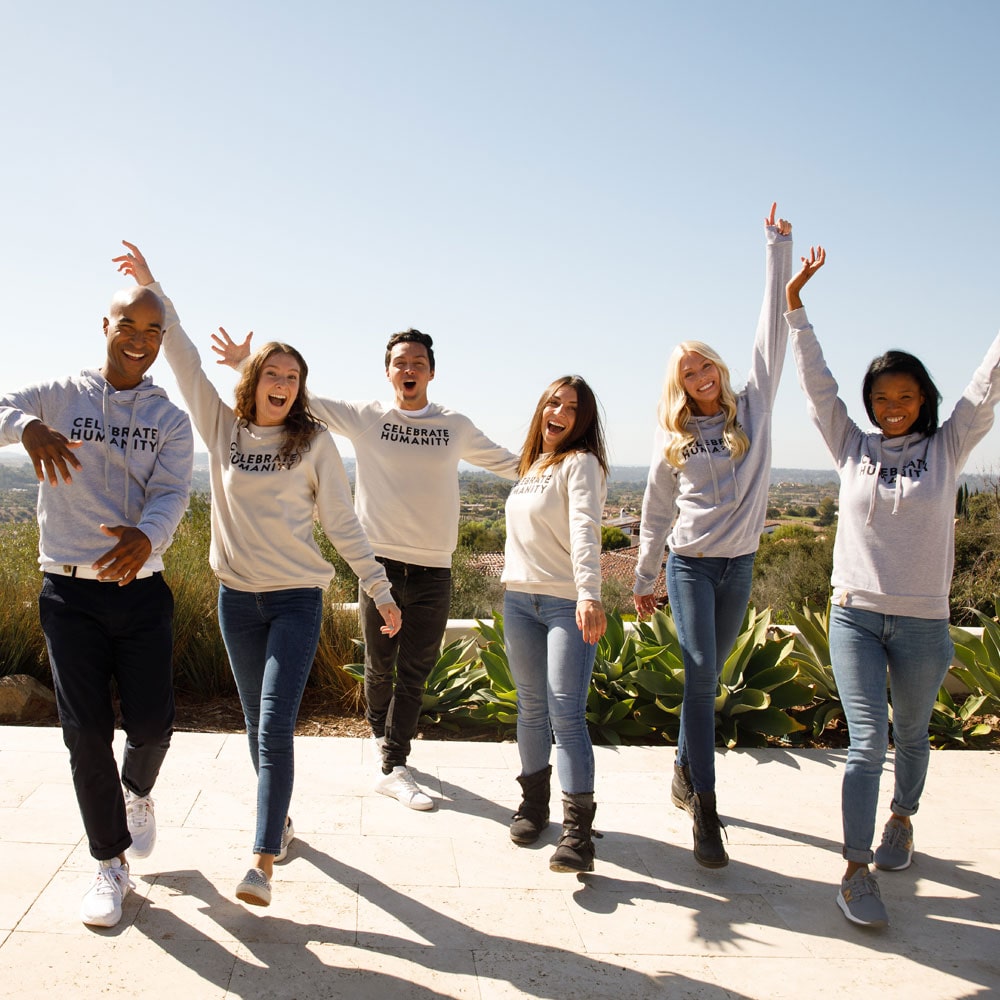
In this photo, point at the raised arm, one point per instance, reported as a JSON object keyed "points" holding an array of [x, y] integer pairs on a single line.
{"points": [[771, 337], [826, 408], [200, 397]]}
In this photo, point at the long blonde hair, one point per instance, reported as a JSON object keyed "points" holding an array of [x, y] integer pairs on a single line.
{"points": [[674, 410]]}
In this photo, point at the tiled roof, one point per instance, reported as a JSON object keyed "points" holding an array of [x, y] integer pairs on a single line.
{"points": [[617, 564]]}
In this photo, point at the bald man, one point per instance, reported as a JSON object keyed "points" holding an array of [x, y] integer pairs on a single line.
{"points": [[113, 459]]}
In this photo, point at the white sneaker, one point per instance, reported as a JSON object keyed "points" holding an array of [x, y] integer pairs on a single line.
{"points": [[102, 902], [287, 836], [141, 824], [399, 784]]}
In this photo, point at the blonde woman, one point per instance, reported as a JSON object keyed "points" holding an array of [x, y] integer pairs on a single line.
{"points": [[706, 499]]}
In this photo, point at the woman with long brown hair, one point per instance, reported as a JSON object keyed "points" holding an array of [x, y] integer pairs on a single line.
{"points": [[272, 464], [553, 616]]}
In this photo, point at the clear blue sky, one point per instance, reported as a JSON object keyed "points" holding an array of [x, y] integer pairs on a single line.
{"points": [[545, 187]]}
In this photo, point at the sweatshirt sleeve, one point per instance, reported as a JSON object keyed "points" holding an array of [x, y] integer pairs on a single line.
{"points": [[658, 513], [17, 410], [200, 397], [826, 408], [479, 450], [586, 489], [168, 488], [349, 420], [771, 337], [341, 524], [973, 414]]}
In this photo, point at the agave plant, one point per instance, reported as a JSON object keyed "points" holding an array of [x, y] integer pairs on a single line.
{"points": [[811, 654], [758, 685], [454, 687], [497, 699]]}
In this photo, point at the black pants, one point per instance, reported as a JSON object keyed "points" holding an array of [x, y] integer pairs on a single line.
{"points": [[397, 668], [95, 632]]}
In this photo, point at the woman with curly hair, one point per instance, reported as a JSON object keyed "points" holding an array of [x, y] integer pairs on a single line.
{"points": [[706, 498], [553, 616], [272, 464]]}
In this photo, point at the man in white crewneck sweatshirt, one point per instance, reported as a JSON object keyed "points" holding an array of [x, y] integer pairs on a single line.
{"points": [[407, 500]]}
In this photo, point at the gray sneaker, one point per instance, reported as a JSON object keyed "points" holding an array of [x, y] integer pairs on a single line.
{"points": [[287, 836], [861, 901], [255, 888], [896, 850]]}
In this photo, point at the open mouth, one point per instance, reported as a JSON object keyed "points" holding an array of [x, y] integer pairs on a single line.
{"points": [[409, 383], [276, 400], [707, 387], [134, 355], [554, 428]]}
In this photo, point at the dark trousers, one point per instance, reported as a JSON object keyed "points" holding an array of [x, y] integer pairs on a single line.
{"points": [[396, 668], [96, 632]]}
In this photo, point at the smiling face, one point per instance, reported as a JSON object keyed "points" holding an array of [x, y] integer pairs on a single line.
{"points": [[701, 380], [410, 373], [896, 401], [277, 388], [134, 332], [558, 418]]}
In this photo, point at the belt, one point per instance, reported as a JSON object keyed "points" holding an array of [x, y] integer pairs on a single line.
{"points": [[86, 573]]}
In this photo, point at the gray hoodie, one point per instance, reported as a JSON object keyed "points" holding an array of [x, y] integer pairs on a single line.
{"points": [[895, 546], [136, 456], [715, 505]]}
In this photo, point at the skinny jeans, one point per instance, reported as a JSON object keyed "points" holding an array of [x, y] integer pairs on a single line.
{"points": [[551, 666], [917, 653], [98, 633], [271, 638], [397, 667], [708, 598]]}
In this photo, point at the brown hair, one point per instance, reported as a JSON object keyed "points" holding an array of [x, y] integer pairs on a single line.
{"points": [[301, 425], [586, 435]]}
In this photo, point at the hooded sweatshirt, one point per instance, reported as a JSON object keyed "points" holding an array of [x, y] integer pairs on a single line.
{"points": [[895, 547], [263, 503], [715, 505], [136, 461]]}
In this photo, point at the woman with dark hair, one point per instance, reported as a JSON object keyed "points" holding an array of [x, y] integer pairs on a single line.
{"points": [[553, 616], [892, 565], [705, 499], [272, 465]]}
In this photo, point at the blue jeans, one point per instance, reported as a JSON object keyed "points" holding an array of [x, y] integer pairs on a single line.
{"points": [[551, 666], [708, 598], [397, 667], [918, 652], [271, 639], [95, 633]]}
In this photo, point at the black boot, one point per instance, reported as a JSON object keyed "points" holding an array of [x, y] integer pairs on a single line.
{"points": [[708, 849], [575, 852], [532, 814], [681, 792]]}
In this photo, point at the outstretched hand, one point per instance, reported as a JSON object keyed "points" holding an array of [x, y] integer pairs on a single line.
{"points": [[121, 563], [591, 620], [230, 352], [810, 265], [392, 617], [134, 263], [783, 225], [50, 452], [645, 604]]}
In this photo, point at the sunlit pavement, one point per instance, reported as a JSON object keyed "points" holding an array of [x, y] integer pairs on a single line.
{"points": [[379, 901]]}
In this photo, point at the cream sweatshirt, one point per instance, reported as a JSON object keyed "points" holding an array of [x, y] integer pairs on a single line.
{"points": [[554, 530], [263, 506]]}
